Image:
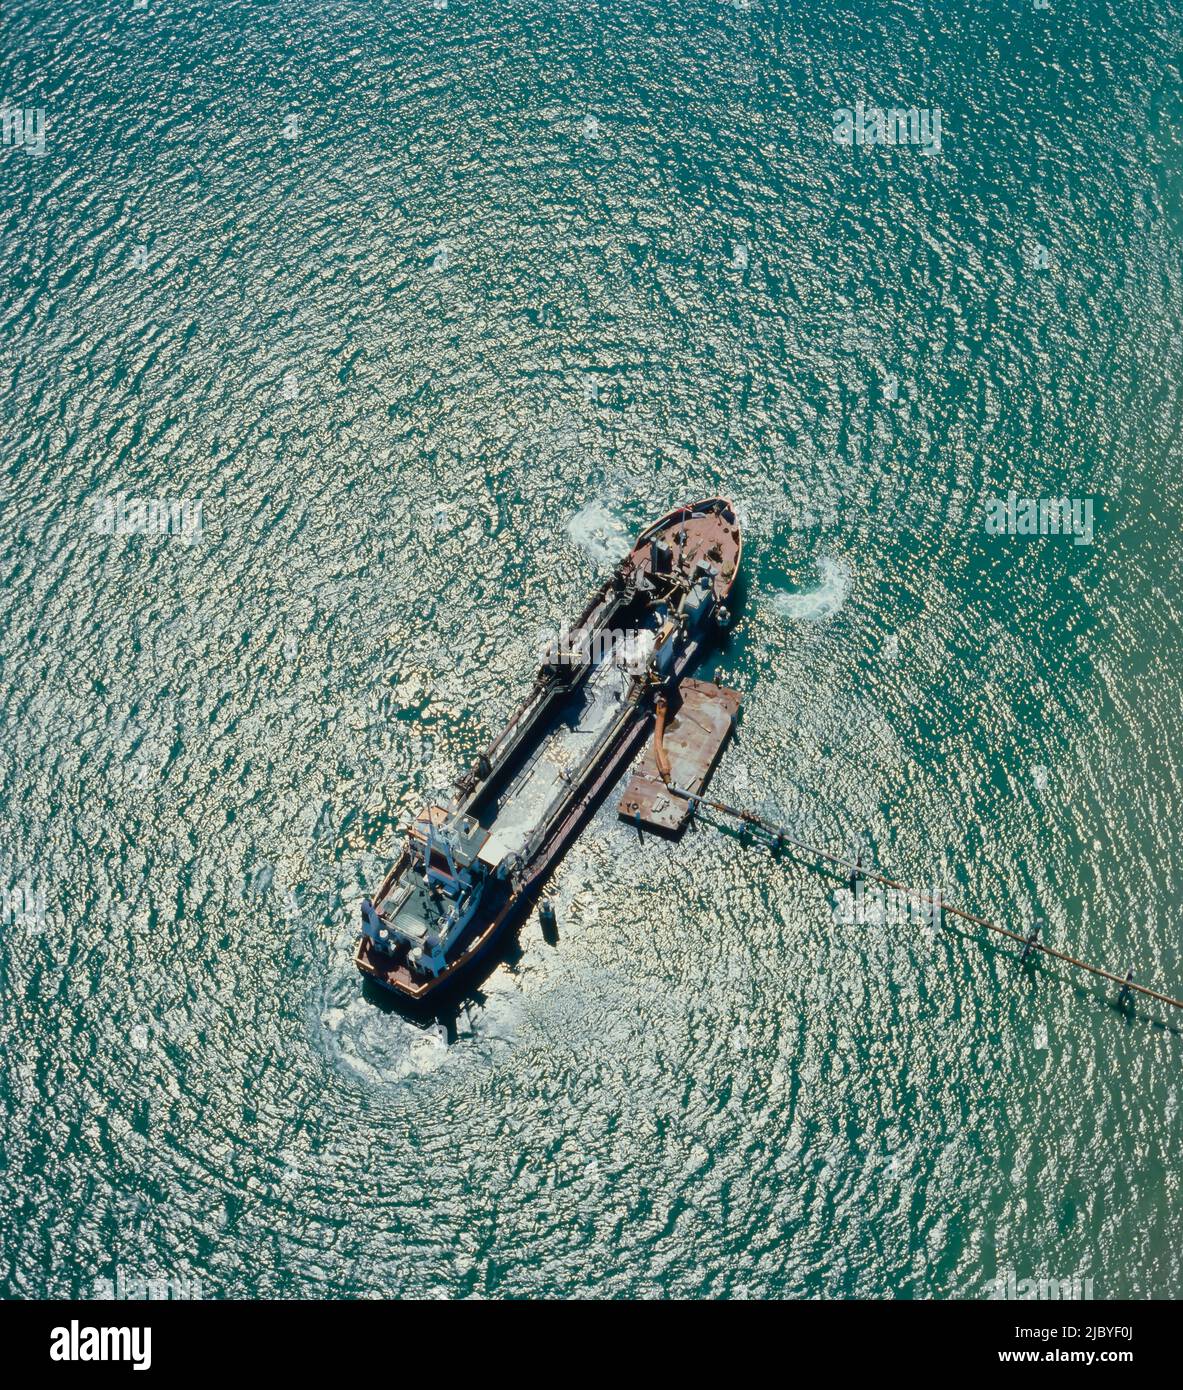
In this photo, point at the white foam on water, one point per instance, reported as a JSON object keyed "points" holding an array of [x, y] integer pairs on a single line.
{"points": [[381, 1048], [816, 605], [600, 534]]}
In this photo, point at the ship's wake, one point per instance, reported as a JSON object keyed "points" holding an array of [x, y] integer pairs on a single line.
{"points": [[817, 605], [380, 1046], [604, 537]]}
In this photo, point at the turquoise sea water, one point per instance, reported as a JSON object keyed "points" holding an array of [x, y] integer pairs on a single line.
{"points": [[434, 304]]}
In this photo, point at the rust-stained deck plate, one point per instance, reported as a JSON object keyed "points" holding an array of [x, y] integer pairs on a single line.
{"points": [[694, 737]]}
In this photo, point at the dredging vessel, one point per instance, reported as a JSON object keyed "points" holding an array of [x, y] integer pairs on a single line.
{"points": [[470, 869]]}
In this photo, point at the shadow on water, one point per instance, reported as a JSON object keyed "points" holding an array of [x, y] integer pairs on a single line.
{"points": [[1032, 970], [449, 1011], [1035, 970]]}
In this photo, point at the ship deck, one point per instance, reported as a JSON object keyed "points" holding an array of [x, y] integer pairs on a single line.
{"points": [[694, 738], [561, 757]]}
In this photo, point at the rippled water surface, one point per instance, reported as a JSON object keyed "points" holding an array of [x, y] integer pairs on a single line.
{"points": [[437, 305]]}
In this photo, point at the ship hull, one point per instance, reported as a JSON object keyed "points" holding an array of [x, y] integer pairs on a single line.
{"points": [[433, 993], [708, 528]]}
